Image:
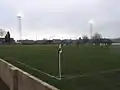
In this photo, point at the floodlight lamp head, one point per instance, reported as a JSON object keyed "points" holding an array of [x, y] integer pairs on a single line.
{"points": [[91, 21], [19, 15]]}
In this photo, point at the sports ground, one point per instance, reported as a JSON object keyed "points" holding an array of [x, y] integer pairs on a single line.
{"points": [[83, 67]]}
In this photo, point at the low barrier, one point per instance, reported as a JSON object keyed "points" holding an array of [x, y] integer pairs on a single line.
{"points": [[16, 79]]}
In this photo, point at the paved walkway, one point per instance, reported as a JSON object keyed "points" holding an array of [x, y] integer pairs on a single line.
{"points": [[3, 86]]}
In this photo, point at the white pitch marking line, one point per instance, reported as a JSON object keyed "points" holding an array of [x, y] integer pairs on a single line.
{"points": [[40, 71], [83, 75]]}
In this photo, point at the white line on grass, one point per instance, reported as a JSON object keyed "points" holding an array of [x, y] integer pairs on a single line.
{"points": [[66, 76], [83, 75], [40, 71]]}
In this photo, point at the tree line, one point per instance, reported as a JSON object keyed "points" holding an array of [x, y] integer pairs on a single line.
{"points": [[96, 39]]}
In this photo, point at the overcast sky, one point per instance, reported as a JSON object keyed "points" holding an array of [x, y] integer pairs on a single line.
{"points": [[60, 18]]}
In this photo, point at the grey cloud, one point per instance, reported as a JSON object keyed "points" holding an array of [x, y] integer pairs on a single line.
{"points": [[65, 16]]}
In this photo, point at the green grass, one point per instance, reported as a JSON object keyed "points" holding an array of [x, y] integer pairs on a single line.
{"points": [[85, 60]]}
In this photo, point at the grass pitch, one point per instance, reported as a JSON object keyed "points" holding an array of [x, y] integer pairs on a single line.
{"points": [[83, 67]]}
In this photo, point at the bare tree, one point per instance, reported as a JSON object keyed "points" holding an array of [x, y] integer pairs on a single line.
{"points": [[97, 36], [2, 33], [85, 39]]}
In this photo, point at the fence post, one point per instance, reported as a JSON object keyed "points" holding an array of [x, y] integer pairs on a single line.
{"points": [[14, 78]]}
